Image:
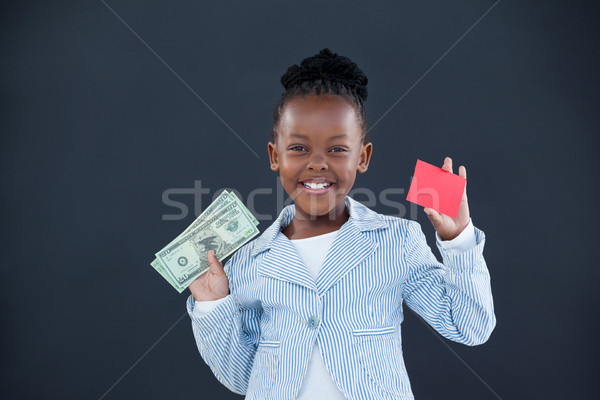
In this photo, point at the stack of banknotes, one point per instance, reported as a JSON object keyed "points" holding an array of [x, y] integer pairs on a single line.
{"points": [[225, 226]]}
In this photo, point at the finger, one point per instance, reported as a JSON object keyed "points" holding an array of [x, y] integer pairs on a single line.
{"points": [[437, 217], [447, 164], [462, 171], [213, 262], [434, 216]]}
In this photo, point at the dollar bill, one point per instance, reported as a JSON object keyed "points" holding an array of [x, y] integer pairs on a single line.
{"points": [[223, 200], [159, 268], [248, 213], [224, 227]]}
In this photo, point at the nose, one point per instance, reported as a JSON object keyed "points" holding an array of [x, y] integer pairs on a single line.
{"points": [[317, 163]]}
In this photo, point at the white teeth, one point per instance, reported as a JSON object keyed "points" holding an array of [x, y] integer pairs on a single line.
{"points": [[311, 185]]}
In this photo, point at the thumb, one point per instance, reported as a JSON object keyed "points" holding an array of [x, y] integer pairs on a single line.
{"points": [[214, 264], [434, 216]]}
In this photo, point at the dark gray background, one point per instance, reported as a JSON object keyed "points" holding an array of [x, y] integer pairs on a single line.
{"points": [[95, 127]]}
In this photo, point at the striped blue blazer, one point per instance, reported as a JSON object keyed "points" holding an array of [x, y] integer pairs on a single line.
{"points": [[258, 341]]}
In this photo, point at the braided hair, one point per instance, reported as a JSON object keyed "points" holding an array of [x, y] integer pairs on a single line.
{"points": [[325, 73]]}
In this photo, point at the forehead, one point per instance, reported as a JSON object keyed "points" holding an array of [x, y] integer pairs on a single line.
{"points": [[320, 115]]}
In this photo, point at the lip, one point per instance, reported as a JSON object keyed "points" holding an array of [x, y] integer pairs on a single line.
{"points": [[316, 191]]}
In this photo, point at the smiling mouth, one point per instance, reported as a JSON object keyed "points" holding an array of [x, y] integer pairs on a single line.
{"points": [[316, 186], [316, 189]]}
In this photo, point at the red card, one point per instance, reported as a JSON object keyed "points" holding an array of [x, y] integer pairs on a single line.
{"points": [[435, 188]]}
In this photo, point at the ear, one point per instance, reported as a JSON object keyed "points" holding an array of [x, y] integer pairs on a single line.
{"points": [[365, 157], [273, 156]]}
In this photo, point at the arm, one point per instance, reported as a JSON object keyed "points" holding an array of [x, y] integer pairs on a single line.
{"points": [[226, 335], [455, 297]]}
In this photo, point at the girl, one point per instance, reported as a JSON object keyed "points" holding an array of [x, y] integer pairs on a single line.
{"points": [[311, 309]]}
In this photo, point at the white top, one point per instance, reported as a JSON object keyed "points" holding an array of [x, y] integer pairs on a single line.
{"points": [[318, 384]]}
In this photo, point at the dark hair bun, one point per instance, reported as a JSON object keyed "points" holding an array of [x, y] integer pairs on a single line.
{"points": [[327, 66]]}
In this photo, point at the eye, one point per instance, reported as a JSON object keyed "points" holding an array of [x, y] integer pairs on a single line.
{"points": [[295, 148], [338, 149]]}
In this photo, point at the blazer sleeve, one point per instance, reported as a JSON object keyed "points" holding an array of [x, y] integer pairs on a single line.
{"points": [[227, 337], [455, 296]]}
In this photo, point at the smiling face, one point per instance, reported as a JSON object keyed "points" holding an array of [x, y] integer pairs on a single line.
{"points": [[317, 151]]}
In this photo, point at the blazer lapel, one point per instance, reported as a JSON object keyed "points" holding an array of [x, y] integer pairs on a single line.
{"points": [[349, 248], [283, 262]]}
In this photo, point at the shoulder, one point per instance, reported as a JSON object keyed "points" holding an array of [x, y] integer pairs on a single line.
{"points": [[400, 233], [400, 226], [391, 232], [398, 221], [369, 219]]}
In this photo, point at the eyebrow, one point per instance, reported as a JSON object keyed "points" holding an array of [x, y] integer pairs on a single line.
{"points": [[300, 135]]}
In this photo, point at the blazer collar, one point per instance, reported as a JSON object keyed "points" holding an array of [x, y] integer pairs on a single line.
{"points": [[361, 216]]}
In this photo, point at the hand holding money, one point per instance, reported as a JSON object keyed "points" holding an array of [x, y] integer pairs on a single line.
{"points": [[225, 226], [213, 284]]}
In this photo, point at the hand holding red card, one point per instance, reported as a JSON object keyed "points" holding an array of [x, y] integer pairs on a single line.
{"points": [[443, 195]]}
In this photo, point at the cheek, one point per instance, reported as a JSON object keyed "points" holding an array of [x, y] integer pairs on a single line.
{"points": [[285, 162], [287, 171], [347, 166]]}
